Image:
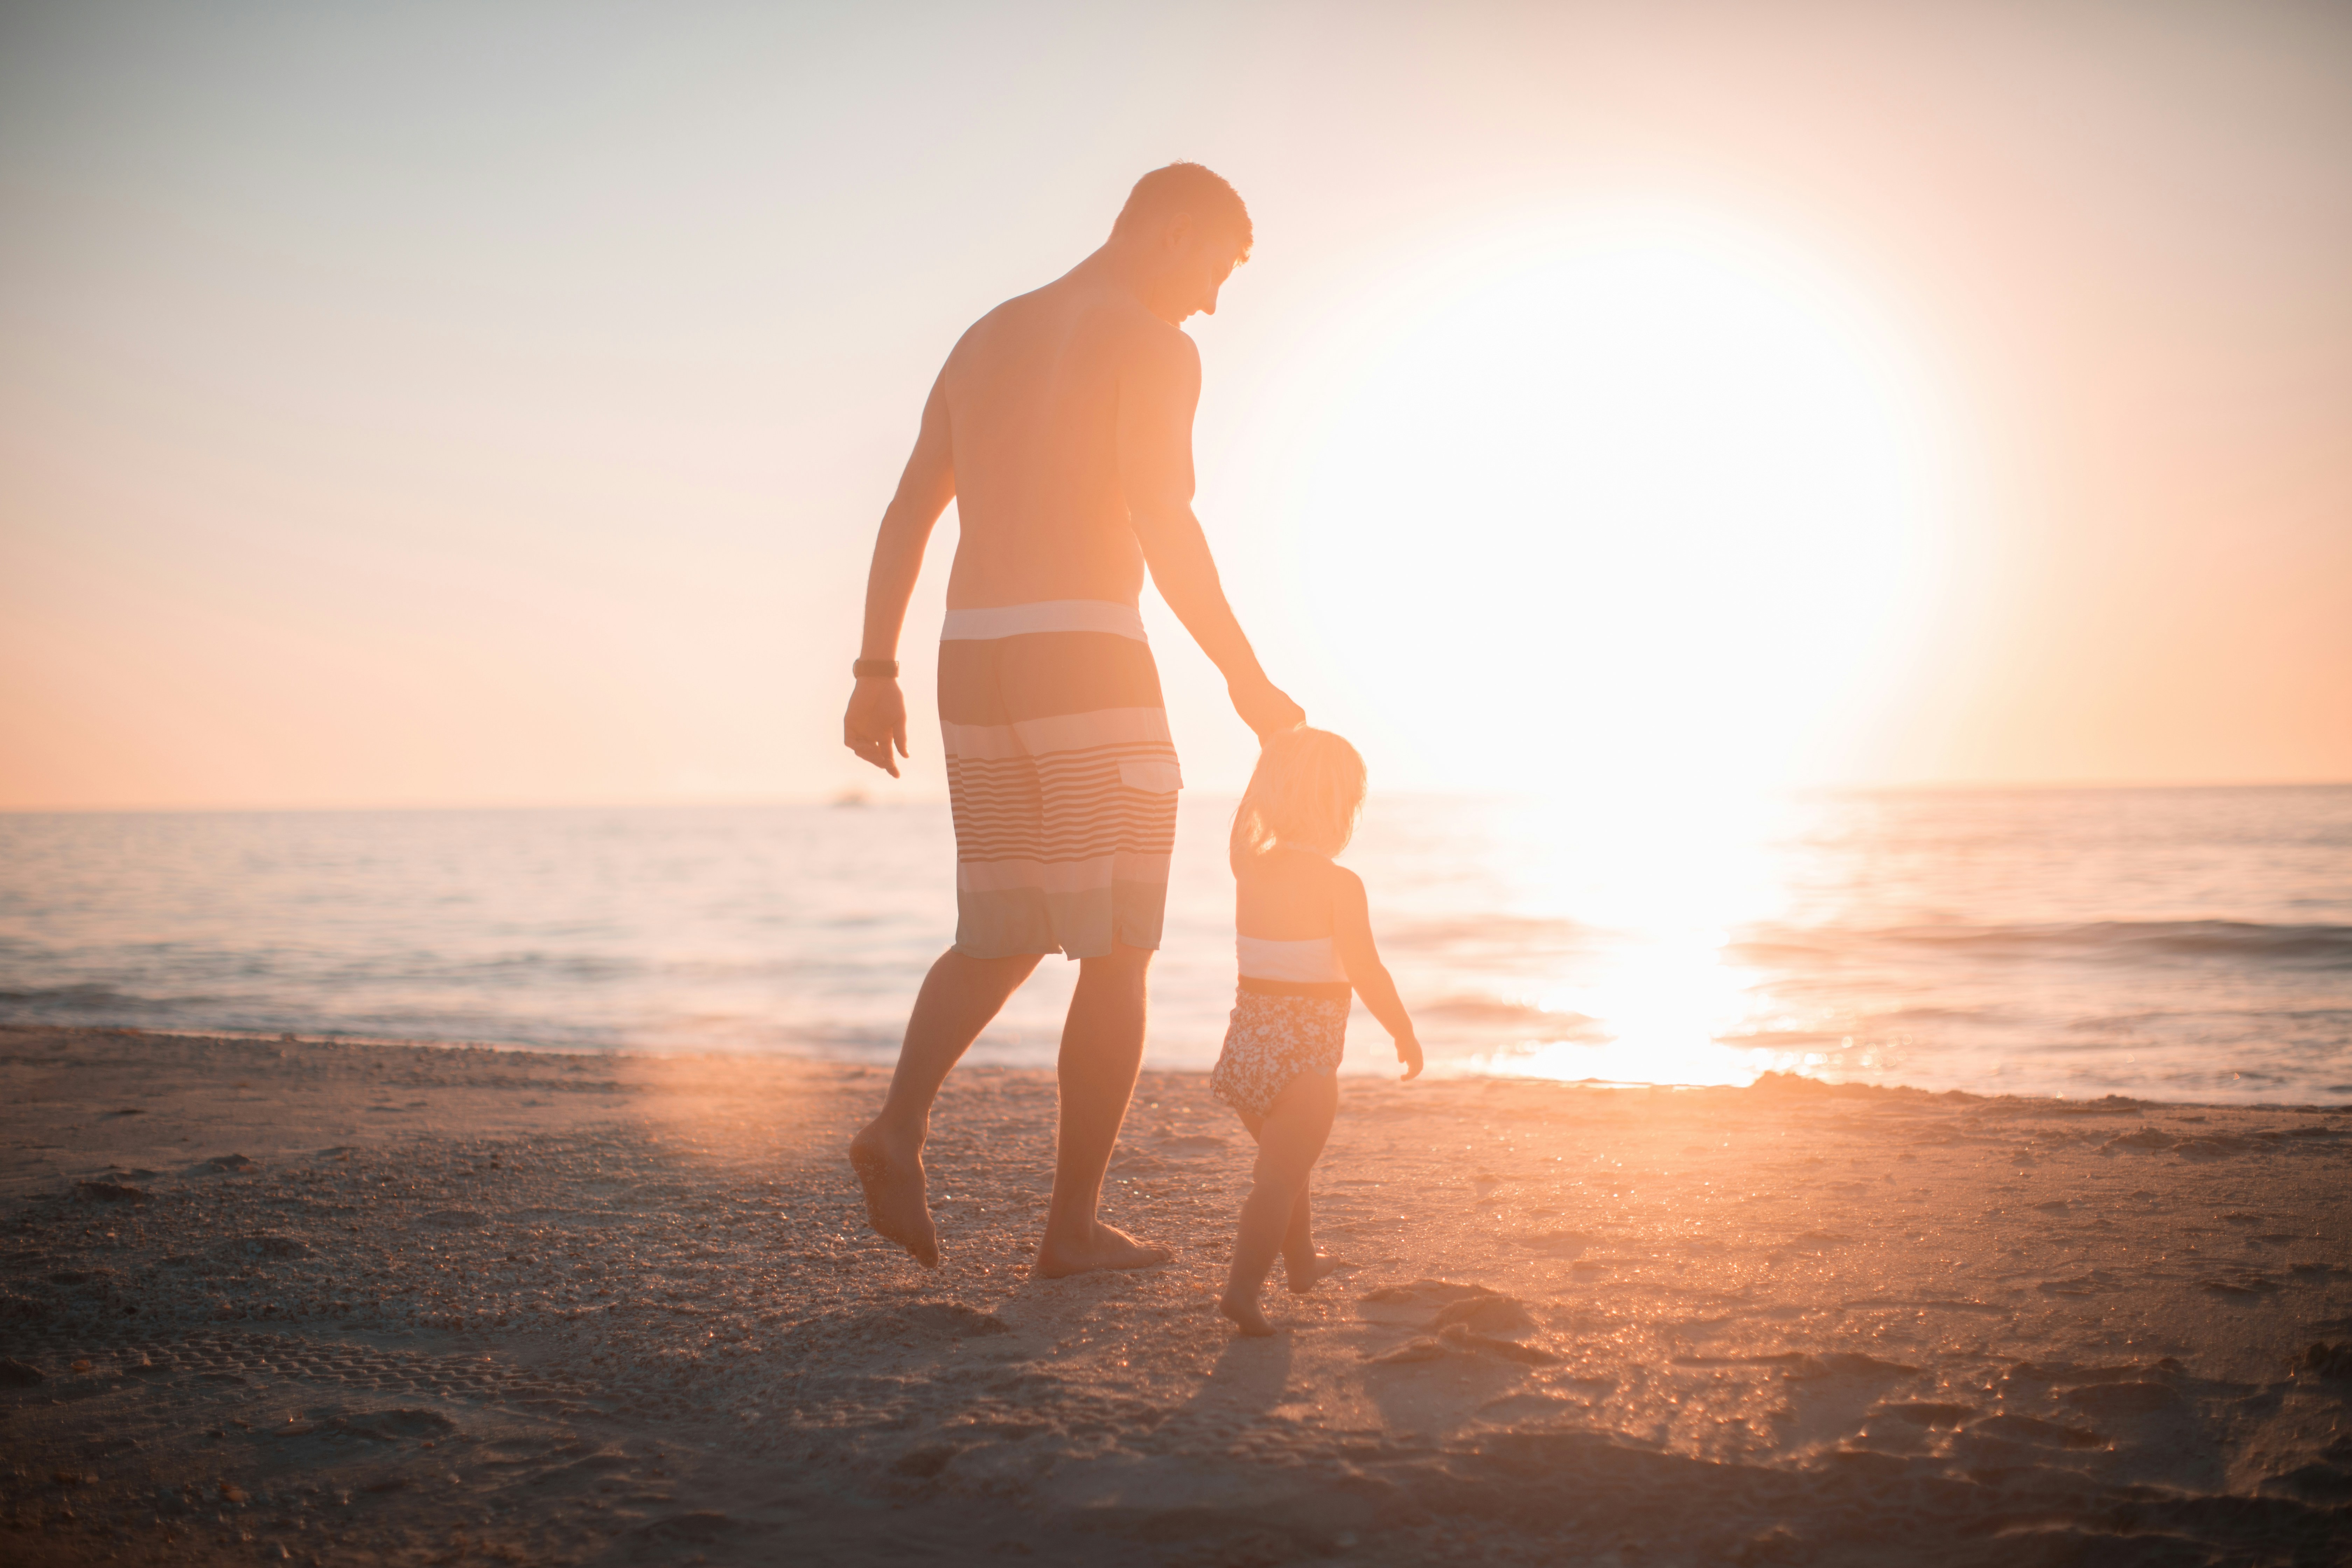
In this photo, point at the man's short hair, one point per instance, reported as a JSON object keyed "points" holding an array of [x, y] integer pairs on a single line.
{"points": [[1186, 188]]}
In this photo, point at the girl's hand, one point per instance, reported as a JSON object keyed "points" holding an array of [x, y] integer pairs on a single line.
{"points": [[1409, 1053]]}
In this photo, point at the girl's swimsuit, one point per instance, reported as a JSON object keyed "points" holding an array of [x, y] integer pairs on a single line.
{"points": [[1290, 1017]]}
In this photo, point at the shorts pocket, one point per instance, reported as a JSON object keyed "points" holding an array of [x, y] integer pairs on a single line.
{"points": [[1151, 777]]}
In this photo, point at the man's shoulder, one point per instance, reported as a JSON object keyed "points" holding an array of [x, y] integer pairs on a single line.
{"points": [[1152, 350], [1006, 319], [1110, 320], [1129, 316]]}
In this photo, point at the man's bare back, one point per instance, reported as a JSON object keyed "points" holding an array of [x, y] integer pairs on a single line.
{"points": [[1032, 393], [1062, 426]]}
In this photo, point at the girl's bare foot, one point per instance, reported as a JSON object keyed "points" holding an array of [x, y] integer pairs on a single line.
{"points": [[1317, 1270], [1245, 1315]]}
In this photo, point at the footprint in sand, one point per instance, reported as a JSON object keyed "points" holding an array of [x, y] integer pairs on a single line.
{"points": [[1557, 1243], [1815, 1241], [1470, 1321], [1485, 1315], [1426, 1292], [2120, 1398], [1190, 1144], [1411, 1352], [111, 1191], [2048, 1433], [1461, 1338], [1457, 1341], [1930, 1415], [1844, 1363]]}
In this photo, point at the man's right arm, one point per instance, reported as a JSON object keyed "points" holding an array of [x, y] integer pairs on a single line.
{"points": [[1157, 397], [877, 719]]}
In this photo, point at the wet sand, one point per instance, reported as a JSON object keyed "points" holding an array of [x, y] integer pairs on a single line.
{"points": [[358, 1304]]}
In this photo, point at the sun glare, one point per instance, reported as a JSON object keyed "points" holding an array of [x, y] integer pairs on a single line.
{"points": [[1637, 502], [1634, 516]]}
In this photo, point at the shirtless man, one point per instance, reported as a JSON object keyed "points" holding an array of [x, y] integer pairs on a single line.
{"points": [[1061, 426]]}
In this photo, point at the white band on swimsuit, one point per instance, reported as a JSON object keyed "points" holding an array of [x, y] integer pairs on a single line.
{"points": [[1050, 616], [1311, 962]]}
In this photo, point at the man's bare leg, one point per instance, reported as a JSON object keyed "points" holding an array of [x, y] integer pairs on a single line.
{"points": [[1102, 1047], [960, 995]]}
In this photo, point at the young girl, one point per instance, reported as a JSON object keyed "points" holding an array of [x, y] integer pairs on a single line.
{"points": [[1305, 941]]}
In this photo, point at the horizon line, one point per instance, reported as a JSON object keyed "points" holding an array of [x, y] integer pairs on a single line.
{"points": [[860, 798]]}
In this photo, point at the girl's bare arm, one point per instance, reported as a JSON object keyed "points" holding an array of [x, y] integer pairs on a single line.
{"points": [[1351, 935]]}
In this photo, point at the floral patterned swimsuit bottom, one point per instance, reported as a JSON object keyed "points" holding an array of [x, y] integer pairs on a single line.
{"points": [[1290, 1017]]}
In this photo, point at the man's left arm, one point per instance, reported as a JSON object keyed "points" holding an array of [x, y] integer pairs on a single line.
{"points": [[1157, 398]]}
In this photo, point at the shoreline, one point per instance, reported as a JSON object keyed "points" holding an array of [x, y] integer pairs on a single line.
{"points": [[407, 1302], [1441, 1069]]}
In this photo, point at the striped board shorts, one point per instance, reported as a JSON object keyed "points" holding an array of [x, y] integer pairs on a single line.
{"points": [[1063, 777]]}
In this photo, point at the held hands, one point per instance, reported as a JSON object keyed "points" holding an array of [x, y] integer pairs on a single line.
{"points": [[876, 722], [1408, 1052], [1264, 707]]}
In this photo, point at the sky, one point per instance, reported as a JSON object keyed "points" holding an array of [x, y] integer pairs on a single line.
{"points": [[493, 404]]}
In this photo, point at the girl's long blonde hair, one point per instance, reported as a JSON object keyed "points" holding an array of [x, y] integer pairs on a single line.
{"points": [[1306, 792]]}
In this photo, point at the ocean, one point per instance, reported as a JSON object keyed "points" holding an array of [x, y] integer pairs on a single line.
{"points": [[2184, 944]]}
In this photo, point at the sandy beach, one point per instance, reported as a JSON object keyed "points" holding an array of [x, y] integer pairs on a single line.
{"points": [[332, 1303]]}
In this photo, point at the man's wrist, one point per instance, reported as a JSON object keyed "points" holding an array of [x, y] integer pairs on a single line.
{"points": [[875, 668]]}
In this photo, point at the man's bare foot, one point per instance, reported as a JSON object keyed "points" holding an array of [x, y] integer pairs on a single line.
{"points": [[1107, 1248], [1320, 1269], [895, 1204], [1243, 1312]]}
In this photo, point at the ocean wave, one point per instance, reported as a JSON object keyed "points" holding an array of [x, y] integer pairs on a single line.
{"points": [[2242, 941], [1500, 1012], [1498, 933], [83, 998]]}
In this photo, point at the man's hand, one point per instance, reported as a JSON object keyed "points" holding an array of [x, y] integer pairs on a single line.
{"points": [[876, 722], [1266, 708]]}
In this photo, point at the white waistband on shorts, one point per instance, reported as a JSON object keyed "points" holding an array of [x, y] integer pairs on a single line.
{"points": [[1050, 616]]}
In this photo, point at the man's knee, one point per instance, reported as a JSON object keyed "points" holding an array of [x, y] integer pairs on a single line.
{"points": [[1122, 966], [1002, 972]]}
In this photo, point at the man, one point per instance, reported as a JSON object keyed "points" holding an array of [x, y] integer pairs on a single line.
{"points": [[1062, 427]]}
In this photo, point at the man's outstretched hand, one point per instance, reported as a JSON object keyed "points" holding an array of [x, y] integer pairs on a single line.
{"points": [[876, 722], [1266, 708]]}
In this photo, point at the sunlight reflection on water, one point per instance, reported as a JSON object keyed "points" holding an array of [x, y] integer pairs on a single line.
{"points": [[2179, 944]]}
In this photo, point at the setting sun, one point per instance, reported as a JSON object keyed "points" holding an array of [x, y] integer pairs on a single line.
{"points": [[1647, 494]]}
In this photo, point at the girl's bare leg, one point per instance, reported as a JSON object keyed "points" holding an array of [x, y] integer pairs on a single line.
{"points": [[1303, 1268], [1288, 1141]]}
